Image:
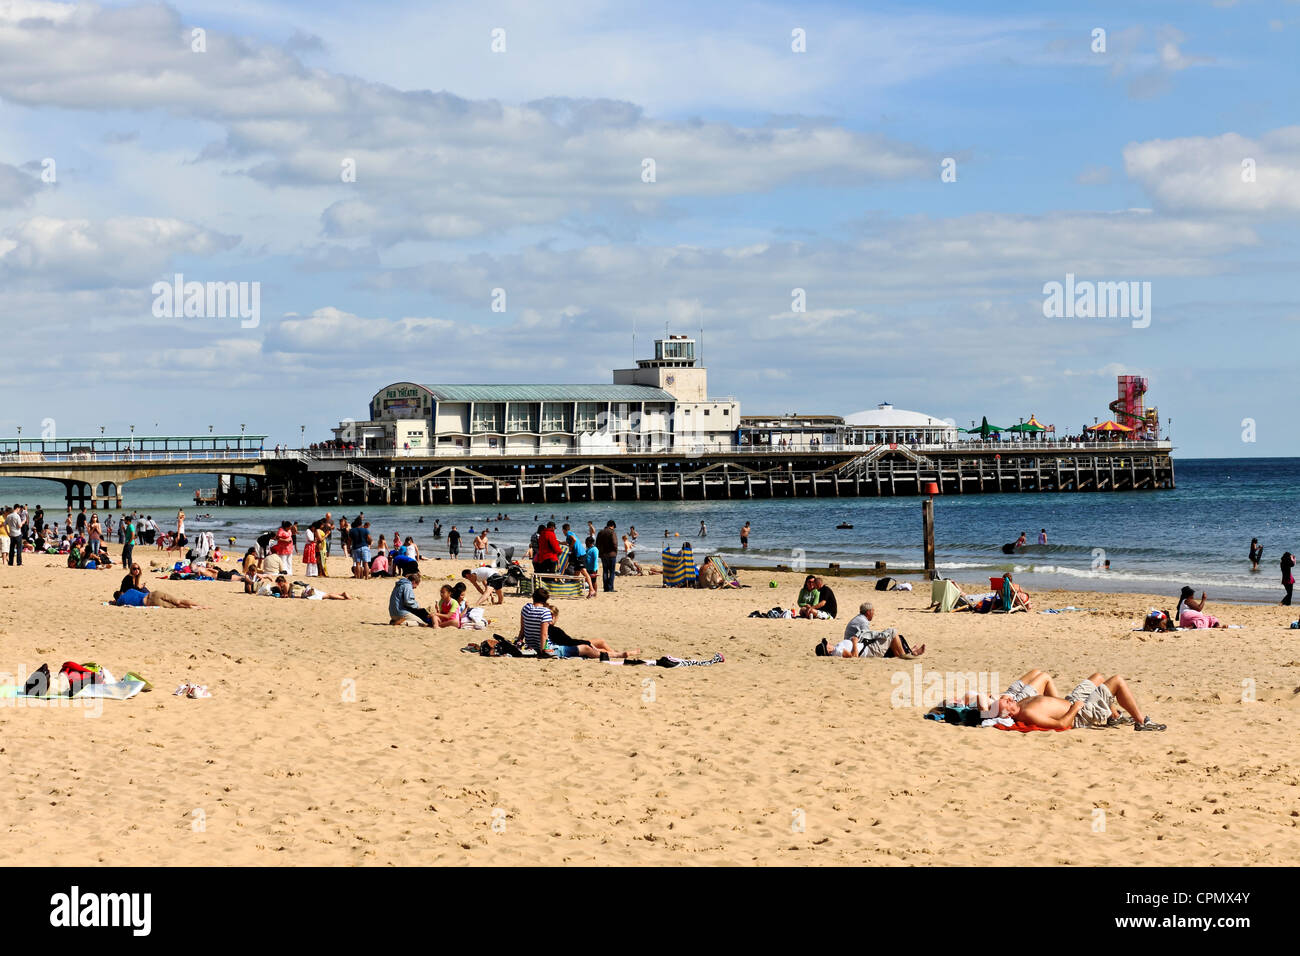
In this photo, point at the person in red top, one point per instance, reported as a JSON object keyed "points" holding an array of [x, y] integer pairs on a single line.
{"points": [[284, 546], [548, 550]]}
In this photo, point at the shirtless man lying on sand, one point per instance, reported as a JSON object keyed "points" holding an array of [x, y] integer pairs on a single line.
{"points": [[1032, 683], [1092, 704]]}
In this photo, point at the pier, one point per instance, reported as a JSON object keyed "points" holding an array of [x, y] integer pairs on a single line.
{"points": [[94, 472]]}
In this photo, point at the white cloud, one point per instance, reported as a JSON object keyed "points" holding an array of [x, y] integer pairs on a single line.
{"points": [[47, 252], [1205, 174]]}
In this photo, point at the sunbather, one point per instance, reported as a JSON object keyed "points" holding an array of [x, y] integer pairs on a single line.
{"points": [[1191, 612], [134, 598], [861, 641], [1030, 684], [1091, 704]]}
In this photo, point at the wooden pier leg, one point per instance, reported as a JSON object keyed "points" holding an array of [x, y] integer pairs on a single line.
{"points": [[749, 486], [681, 485], [451, 485], [473, 492]]}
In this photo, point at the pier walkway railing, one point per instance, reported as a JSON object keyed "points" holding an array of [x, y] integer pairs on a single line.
{"points": [[759, 451]]}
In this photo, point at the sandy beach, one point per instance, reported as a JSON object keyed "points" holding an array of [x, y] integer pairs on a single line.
{"points": [[334, 739]]}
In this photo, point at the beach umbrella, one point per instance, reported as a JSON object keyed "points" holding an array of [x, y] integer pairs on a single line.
{"points": [[1029, 426], [1109, 426], [985, 429]]}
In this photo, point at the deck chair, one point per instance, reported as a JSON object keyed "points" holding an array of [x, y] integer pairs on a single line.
{"points": [[729, 579], [1013, 599], [944, 595], [679, 568], [559, 583]]}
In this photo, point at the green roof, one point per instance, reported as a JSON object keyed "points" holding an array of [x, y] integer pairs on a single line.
{"points": [[549, 393]]}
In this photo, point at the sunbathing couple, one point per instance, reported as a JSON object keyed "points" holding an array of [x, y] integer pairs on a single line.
{"points": [[1095, 703]]}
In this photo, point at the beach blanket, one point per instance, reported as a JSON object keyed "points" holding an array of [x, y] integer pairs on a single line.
{"points": [[118, 690], [671, 662]]}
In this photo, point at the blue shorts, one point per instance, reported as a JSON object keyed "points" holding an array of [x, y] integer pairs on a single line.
{"points": [[566, 650], [361, 554]]}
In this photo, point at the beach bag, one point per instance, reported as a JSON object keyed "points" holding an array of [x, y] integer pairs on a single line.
{"points": [[884, 584], [38, 685], [79, 677], [963, 716]]}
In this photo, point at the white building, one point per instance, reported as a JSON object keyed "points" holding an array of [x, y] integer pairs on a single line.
{"points": [[661, 405], [886, 424]]}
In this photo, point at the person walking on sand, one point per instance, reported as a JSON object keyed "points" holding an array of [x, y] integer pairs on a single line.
{"points": [[744, 537]]}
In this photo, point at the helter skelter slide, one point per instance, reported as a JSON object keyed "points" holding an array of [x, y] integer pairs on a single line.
{"points": [[1130, 409]]}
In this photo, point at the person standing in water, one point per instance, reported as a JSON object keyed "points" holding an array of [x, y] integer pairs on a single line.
{"points": [[704, 530], [1042, 536], [744, 537], [1256, 553]]}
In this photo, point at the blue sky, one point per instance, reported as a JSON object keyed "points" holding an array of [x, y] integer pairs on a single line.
{"points": [[775, 170]]}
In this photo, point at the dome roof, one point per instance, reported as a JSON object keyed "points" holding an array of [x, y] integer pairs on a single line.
{"points": [[885, 415]]}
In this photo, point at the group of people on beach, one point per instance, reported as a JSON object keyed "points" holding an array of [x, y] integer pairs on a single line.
{"points": [[85, 538]]}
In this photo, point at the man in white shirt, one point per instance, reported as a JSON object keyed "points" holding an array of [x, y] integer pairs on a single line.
{"points": [[14, 525]]}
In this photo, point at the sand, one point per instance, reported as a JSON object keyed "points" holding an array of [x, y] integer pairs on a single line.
{"points": [[333, 739]]}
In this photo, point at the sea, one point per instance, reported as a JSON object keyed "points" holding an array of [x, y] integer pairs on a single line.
{"points": [[1156, 541]]}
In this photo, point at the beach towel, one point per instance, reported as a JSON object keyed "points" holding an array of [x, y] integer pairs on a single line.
{"points": [[1027, 728]]}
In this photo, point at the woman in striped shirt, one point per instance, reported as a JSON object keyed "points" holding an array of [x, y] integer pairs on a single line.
{"points": [[538, 631]]}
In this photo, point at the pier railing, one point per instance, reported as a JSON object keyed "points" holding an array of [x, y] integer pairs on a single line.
{"points": [[1003, 447], [80, 457]]}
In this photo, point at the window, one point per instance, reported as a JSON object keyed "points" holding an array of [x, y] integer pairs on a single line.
{"points": [[487, 417], [521, 417], [706, 411], [590, 416], [557, 417], [726, 412]]}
